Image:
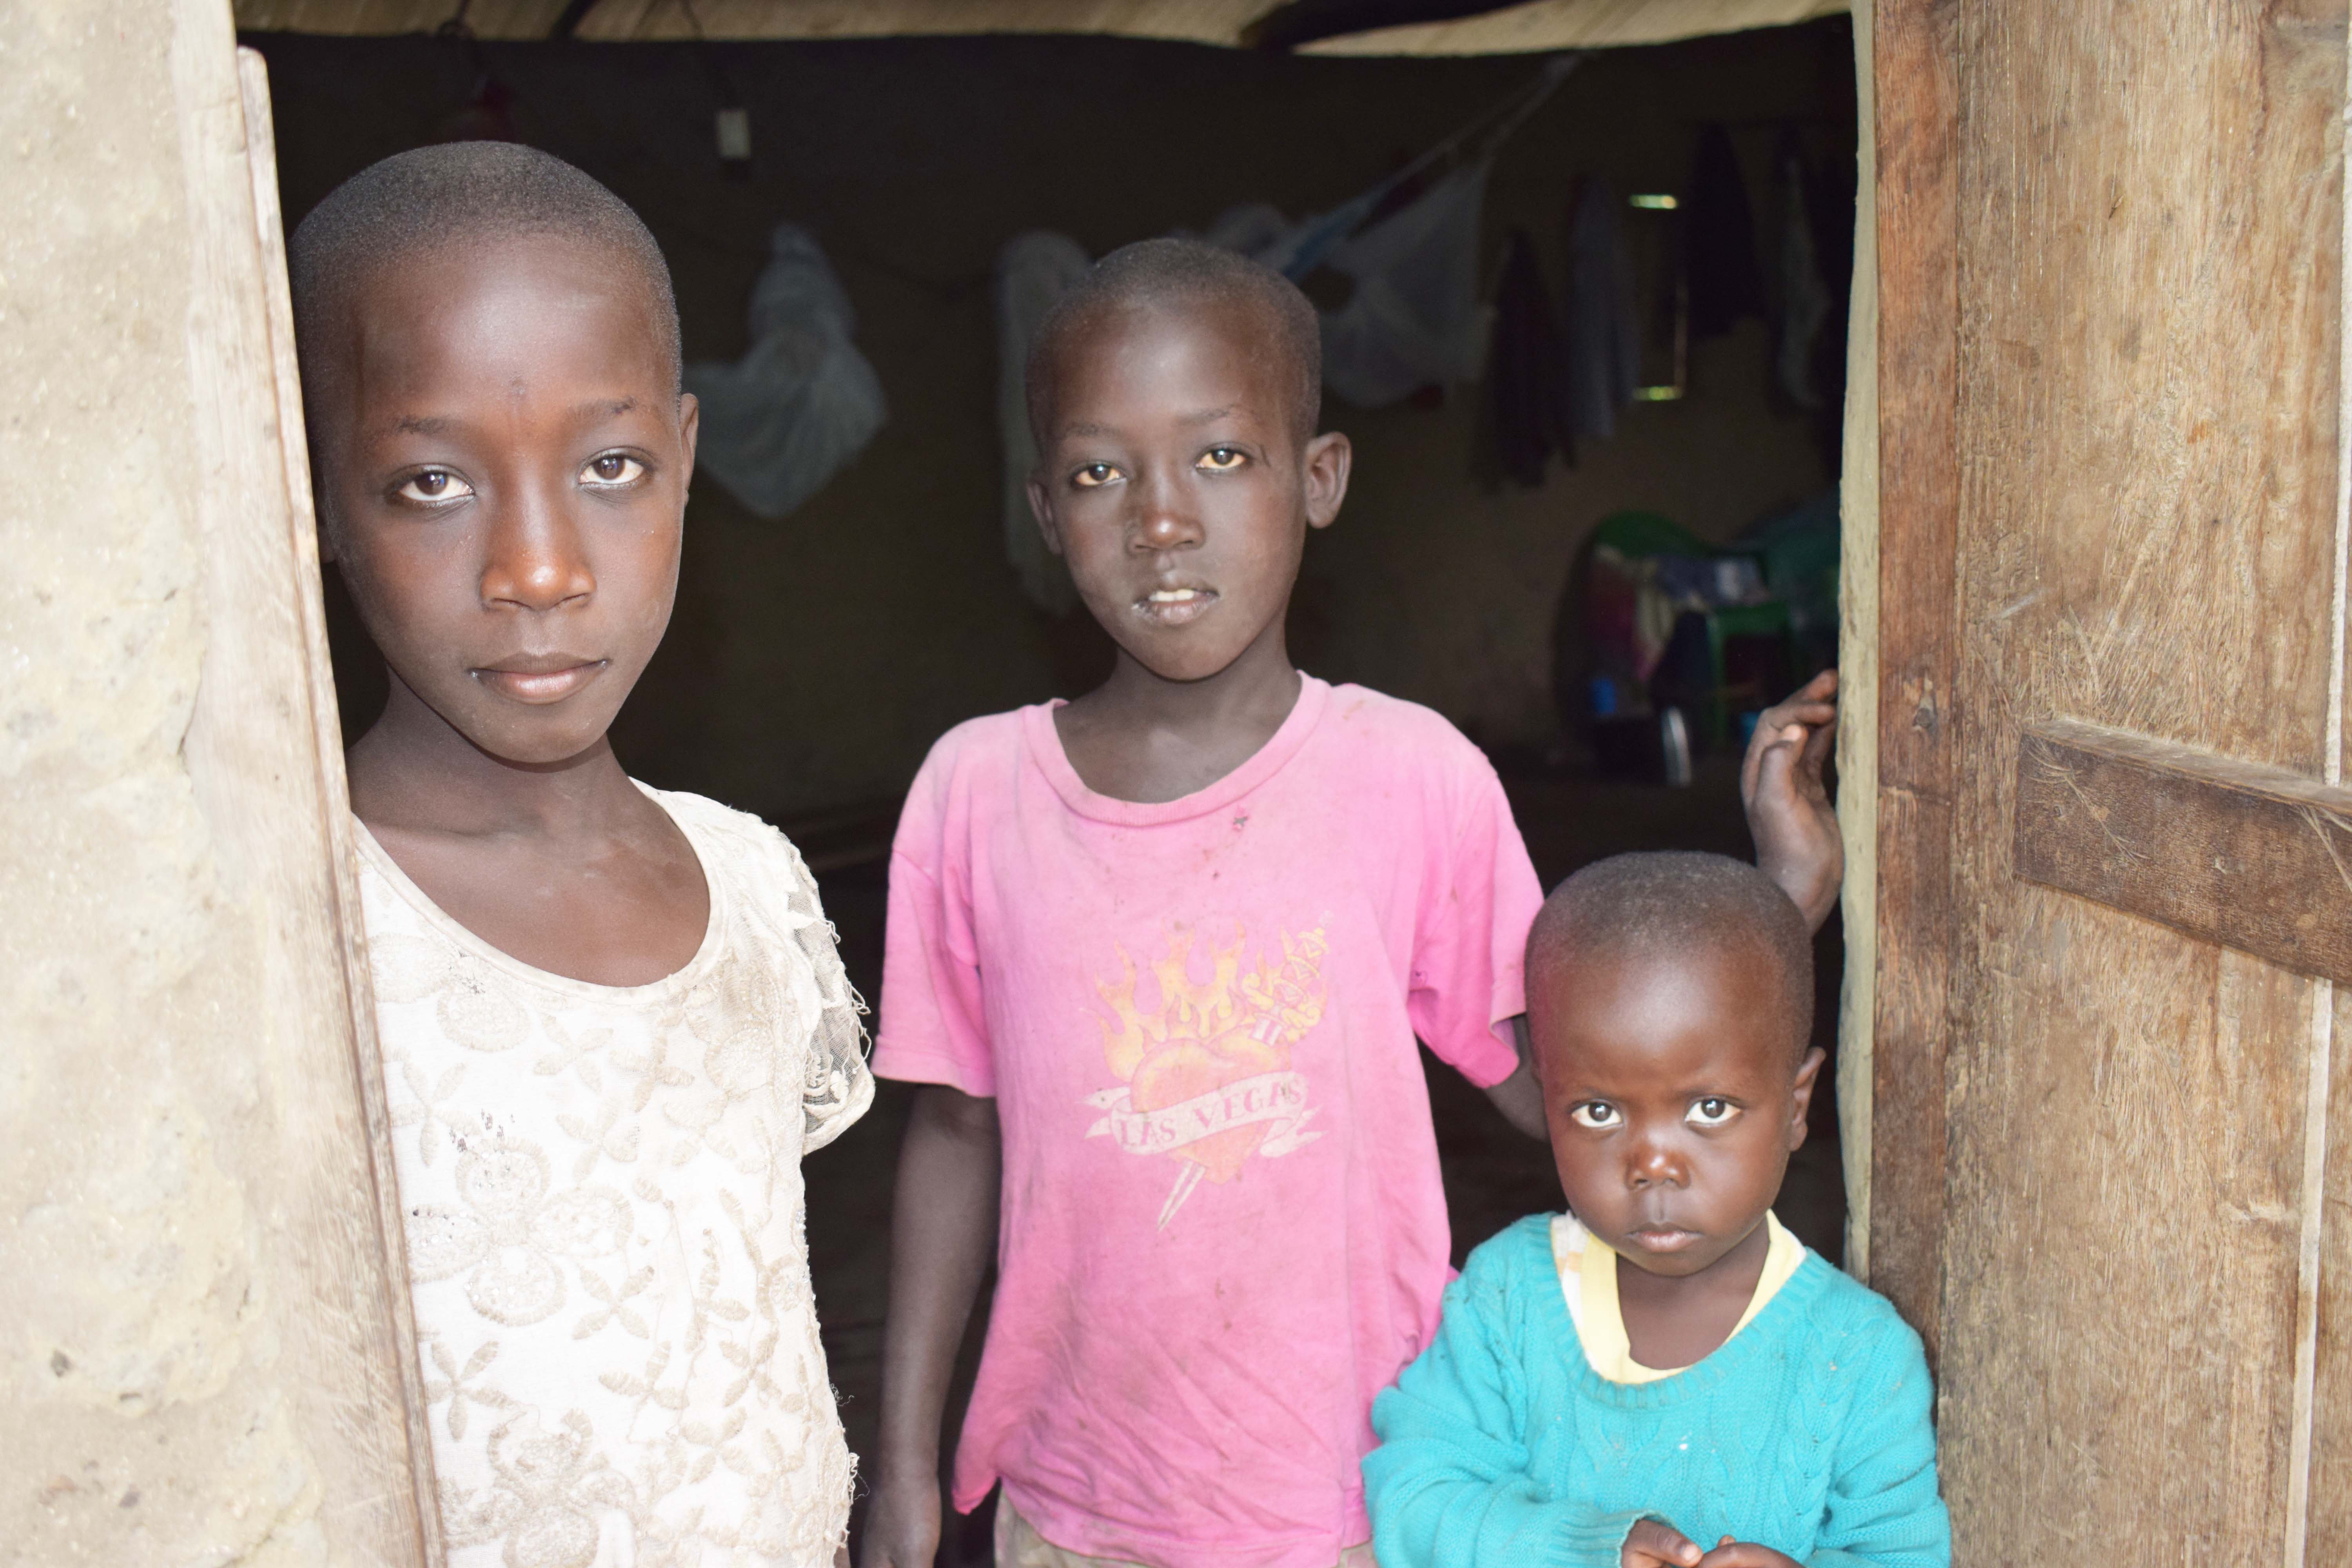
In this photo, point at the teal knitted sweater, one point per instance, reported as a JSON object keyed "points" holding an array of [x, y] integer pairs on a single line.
{"points": [[1807, 1431]]}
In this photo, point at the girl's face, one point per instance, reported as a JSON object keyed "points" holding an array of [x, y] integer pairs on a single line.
{"points": [[1174, 482], [505, 477]]}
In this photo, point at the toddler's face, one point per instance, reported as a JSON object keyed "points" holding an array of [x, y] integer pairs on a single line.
{"points": [[506, 465], [1173, 483], [1670, 1092]]}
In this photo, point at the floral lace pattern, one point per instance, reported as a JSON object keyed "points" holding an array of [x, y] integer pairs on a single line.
{"points": [[606, 1238]]}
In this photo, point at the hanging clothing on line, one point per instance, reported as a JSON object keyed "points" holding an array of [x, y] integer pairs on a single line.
{"points": [[1414, 319], [1525, 365], [1603, 329], [1720, 232], [1804, 300], [802, 402], [1032, 271], [1295, 250]]}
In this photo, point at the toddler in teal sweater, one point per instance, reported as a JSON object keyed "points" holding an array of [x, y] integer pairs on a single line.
{"points": [[1664, 1365]]}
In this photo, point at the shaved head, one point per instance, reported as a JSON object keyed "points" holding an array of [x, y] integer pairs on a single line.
{"points": [[1177, 274], [457, 194], [1675, 903]]}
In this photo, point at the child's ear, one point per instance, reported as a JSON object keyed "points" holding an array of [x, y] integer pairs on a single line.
{"points": [[1808, 1069], [1041, 507], [1328, 458], [689, 431]]}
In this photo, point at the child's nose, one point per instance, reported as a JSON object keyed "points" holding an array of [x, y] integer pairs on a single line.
{"points": [[1654, 1162], [1168, 523], [536, 560]]}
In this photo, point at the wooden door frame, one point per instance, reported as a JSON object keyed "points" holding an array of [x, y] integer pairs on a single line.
{"points": [[1901, 542]]}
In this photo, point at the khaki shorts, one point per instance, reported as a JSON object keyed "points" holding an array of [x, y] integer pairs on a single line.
{"points": [[1019, 1546]]}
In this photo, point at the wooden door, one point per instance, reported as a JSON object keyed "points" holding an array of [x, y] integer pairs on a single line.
{"points": [[2109, 1178]]}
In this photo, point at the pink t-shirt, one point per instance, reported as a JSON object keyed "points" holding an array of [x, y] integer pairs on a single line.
{"points": [[1223, 1229]]}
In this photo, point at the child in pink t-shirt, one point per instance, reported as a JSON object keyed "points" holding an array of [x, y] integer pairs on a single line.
{"points": [[1162, 954]]}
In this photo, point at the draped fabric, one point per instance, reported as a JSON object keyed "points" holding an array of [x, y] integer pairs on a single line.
{"points": [[1533, 29]]}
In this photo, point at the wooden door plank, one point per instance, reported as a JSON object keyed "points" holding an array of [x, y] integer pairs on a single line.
{"points": [[1857, 741], [2230, 852], [1916, 135], [2328, 1518]]}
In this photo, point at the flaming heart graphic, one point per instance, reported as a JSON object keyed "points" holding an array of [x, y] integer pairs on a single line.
{"points": [[1207, 1075]]}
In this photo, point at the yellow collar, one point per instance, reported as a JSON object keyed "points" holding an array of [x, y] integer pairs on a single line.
{"points": [[1587, 1279]]}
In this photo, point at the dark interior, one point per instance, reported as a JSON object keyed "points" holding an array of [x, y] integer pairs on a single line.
{"points": [[813, 659]]}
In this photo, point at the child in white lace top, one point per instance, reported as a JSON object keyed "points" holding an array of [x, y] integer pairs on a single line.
{"points": [[612, 1018]]}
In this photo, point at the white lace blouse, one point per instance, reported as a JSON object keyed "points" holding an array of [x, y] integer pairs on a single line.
{"points": [[603, 1212]]}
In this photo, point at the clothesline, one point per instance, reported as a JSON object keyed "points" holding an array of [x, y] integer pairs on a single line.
{"points": [[1505, 118], [1316, 242]]}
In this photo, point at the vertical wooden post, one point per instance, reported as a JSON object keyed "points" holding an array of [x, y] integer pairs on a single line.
{"points": [[1916, 138], [2319, 1514], [1857, 745]]}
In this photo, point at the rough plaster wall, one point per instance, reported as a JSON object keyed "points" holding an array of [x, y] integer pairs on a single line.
{"points": [[176, 1385]]}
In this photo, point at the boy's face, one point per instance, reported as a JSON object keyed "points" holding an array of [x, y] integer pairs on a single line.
{"points": [[1671, 1098], [506, 458], [1174, 482]]}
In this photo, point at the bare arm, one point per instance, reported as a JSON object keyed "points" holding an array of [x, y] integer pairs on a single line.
{"points": [[942, 1236], [1788, 811], [1519, 1097]]}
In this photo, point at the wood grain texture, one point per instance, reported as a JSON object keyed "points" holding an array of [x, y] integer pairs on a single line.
{"points": [[1916, 134], [348, 924], [2329, 1522], [2233, 853], [263, 756], [2150, 223], [1857, 741]]}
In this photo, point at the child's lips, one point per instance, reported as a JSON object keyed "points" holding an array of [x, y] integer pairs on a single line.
{"points": [[1176, 606], [1662, 1238], [541, 680]]}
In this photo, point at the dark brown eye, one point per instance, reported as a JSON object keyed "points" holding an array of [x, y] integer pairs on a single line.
{"points": [[612, 469], [433, 484]]}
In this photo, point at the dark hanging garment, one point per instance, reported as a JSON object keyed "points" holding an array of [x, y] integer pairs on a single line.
{"points": [[1523, 369], [1800, 295], [1600, 324], [1726, 283]]}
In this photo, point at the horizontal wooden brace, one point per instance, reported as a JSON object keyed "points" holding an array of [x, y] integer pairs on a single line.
{"points": [[2235, 853]]}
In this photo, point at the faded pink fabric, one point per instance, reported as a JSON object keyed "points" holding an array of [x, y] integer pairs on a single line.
{"points": [[1223, 1227]]}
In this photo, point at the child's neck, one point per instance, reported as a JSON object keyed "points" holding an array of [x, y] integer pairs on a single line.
{"points": [[567, 867], [1679, 1322], [1140, 737], [413, 772]]}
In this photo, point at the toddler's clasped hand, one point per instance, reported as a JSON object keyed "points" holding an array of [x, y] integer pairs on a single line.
{"points": [[1652, 1544]]}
